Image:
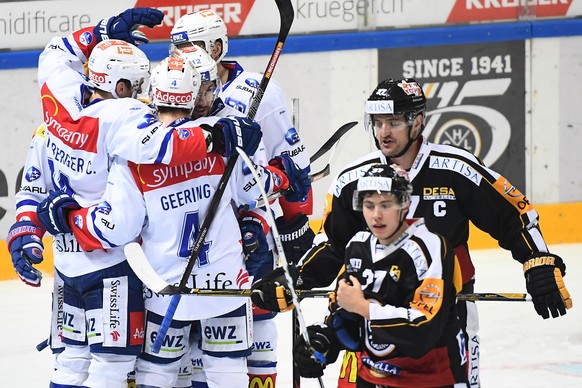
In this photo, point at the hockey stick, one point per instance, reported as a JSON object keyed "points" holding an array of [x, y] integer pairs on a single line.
{"points": [[286, 14], [495, 297], [270, 218], [141, 266], [331, 142], [337, 135]]}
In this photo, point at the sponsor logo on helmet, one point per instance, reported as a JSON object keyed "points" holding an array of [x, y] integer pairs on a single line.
{"points": [[205, 76], [176, 63], [292, 136], [104, 207], [179, 37], [380, 107], [374, 183], [104, 45], [32, 174], [86, 38], [183, 134], [172, 98], [147, 120], [98, 78], [188, 49], [411, 88], [253, 83], [125, 50]]}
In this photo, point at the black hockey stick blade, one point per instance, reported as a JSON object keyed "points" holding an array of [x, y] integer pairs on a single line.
{"points": [[332, 140], [43, 345]]}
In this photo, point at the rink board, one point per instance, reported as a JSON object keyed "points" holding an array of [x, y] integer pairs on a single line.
{"points": [[560, 225]]}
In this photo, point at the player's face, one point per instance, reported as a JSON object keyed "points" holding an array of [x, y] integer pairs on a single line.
{"points": [[391, 132], [382, 213], [204, 100]]}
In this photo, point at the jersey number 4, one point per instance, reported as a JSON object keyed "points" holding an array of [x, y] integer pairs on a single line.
{"points": [[190, 230]]}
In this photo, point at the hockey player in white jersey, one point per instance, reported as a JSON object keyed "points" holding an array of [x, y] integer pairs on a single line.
{"points": [[167, 204], [206, 29], [88, 121]]}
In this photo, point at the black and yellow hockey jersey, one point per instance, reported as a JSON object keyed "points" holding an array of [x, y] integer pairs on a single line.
{"points": [[413, 336], [450, 188]]}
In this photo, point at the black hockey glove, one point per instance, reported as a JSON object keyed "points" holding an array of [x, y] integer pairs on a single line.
{"points": [[544, 282], [296, 237], [323, 342], [272, 291]]}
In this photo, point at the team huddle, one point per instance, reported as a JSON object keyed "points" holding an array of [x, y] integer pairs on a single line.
{"points": [[131, 154]]}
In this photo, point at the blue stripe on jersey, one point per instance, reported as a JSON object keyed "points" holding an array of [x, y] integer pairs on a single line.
{"points": [[164, 147], [26, 202], [98, 232], [68, 46]]}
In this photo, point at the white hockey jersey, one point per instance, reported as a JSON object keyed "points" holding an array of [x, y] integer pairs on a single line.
{"points": [[279, 134], [81, 140], [166, 204]]}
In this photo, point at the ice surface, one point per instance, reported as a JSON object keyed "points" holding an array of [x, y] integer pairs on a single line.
{"points": [[518, 348]]}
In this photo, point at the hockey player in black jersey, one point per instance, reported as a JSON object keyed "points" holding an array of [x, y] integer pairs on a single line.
{"points": [[451, 187], [396, 299]]}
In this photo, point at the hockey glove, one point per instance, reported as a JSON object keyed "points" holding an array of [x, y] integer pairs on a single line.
{"points": [[544, 282], [296, 237], [124, 26], [231, 132], [299, 181], [53, 212], [348, 328], [272, 291], [255, 244], [325, 346], [25, 245]]}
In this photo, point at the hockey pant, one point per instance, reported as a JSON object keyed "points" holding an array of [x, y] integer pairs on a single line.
{"points": [[224, 343], [102, 328]]}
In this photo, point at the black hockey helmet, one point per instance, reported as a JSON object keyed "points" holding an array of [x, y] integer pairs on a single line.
{"points": [[382, 178], [396, 97]]}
